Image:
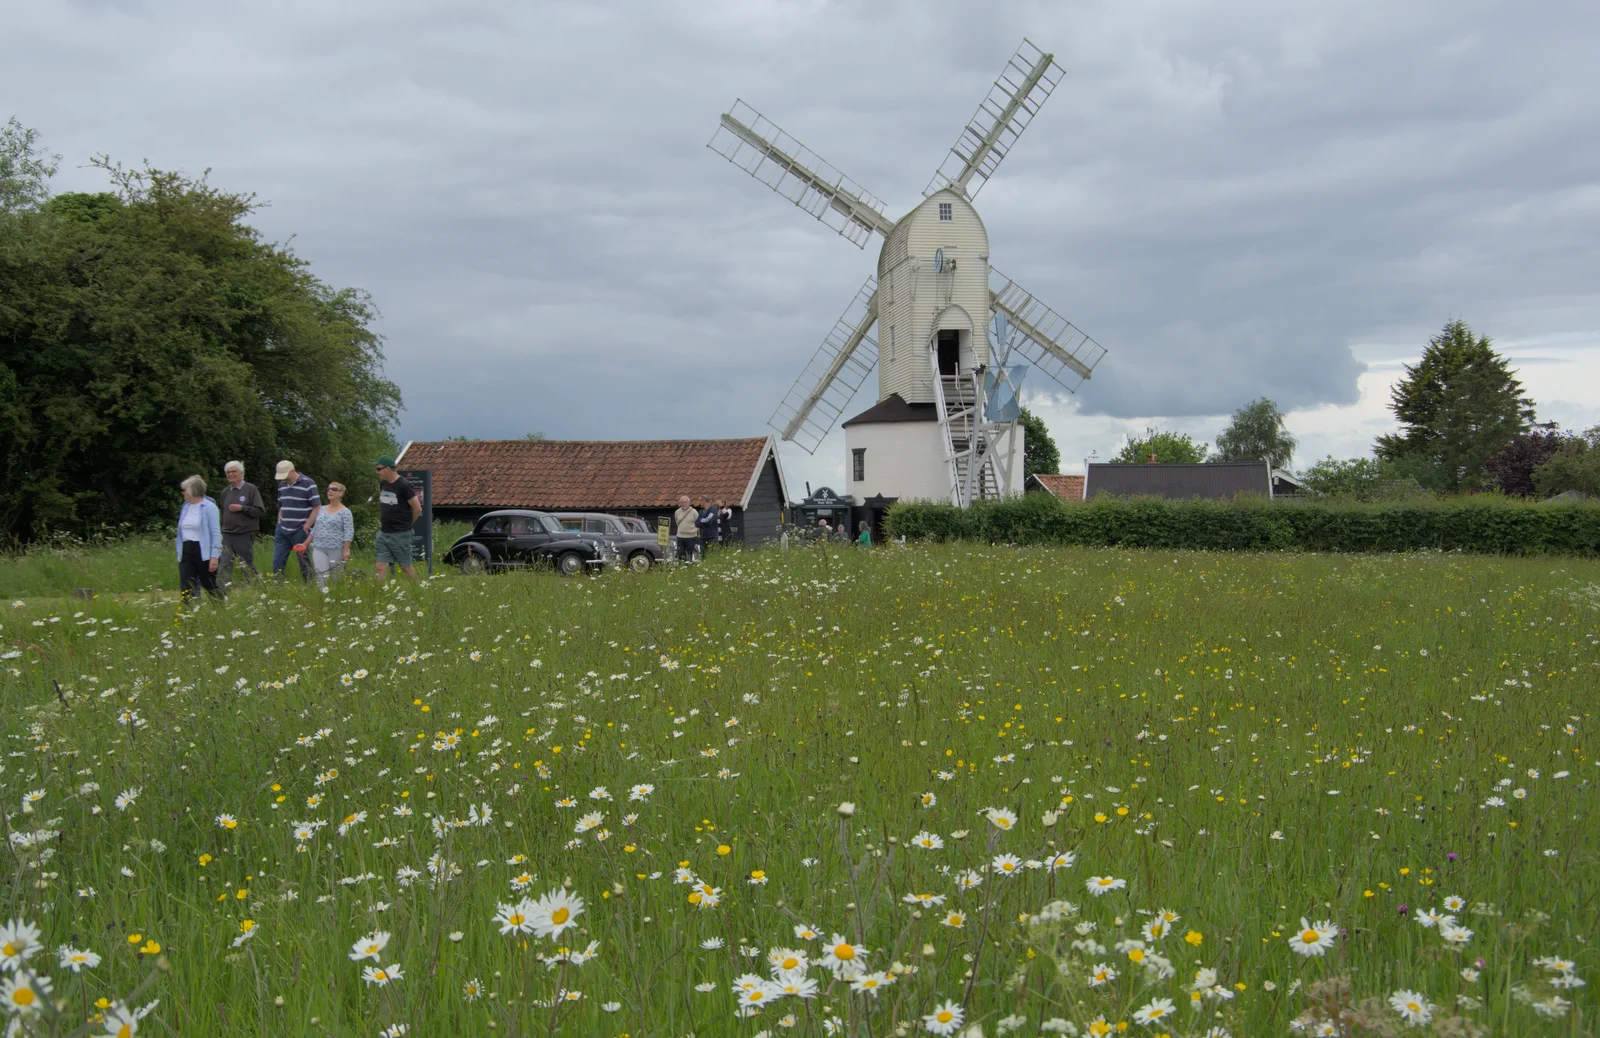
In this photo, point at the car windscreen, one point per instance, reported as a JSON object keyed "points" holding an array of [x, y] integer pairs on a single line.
{"points": [[550, 523]]}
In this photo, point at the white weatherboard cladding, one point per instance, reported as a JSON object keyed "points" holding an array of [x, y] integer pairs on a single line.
{"points": [[903, 459], [914, 300]]}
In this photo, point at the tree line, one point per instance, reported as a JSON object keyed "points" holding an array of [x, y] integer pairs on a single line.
{"points": [[1465, 425], [148, 332]]}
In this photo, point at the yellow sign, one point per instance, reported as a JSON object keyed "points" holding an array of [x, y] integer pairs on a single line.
{"points": [[663, 532]]}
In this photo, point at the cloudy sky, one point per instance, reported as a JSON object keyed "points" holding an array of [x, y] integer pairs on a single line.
{"points": [[1237, 199]]}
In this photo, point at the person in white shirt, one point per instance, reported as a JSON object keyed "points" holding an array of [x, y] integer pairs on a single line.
{"points": [[199, 541], [686, 530]]}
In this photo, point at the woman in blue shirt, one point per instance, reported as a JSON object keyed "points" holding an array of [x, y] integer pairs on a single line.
{"points": [[199, 540]]}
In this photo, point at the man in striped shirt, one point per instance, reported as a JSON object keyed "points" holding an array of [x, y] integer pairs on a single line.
{"points": [[299, 501]]}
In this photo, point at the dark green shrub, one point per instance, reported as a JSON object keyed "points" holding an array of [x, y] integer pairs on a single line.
{"points": [[1485, 524]]}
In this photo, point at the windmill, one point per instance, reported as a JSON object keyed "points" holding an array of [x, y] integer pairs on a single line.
{"points": [[945, 426]]}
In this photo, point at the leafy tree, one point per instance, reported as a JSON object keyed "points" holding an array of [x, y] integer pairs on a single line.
{"points": [[1360, 479], [25, 170], [1456, 406], [1168, 446], [1510, 469], [1576, 466], [149, 333], [1039, 450], [536, 437], [1257, 433]]}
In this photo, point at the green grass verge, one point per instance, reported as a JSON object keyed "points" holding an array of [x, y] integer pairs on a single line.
{"points": [[137, 564], [221, 803]]}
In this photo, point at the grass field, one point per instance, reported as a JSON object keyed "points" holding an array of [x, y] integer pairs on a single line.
{"points": [[137, 564], [1062, 792]]}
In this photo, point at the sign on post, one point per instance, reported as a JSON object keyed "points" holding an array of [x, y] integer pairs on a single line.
{"points": [[421, 481], [663, 535]]}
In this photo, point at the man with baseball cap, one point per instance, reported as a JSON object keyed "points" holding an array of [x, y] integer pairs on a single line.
{"points": [[299, 501], [399, 505]]}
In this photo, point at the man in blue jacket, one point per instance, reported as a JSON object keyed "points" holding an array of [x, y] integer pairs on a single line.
{"points": [[709, 524]]}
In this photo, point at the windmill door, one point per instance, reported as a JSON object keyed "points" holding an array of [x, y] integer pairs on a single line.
{"points": [[949, 352]]}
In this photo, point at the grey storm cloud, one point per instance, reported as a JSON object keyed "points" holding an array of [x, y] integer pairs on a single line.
{"points": [[1227, 196]]}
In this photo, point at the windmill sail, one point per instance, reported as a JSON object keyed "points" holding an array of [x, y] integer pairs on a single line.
{"points": [[1045, 339], [843, 361], [756, 145], [1013, 101]]}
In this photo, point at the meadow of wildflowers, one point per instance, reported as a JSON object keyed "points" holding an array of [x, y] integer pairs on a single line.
{"points": [[938, 790]]}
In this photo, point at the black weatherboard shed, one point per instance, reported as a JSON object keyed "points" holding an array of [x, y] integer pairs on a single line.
{"points": [[1216, 481]]}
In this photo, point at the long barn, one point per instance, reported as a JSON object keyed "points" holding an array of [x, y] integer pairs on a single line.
{"points": [[625, 477]]}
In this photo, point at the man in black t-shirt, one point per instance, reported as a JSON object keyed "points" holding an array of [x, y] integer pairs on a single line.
{"points": [[399, 505]]}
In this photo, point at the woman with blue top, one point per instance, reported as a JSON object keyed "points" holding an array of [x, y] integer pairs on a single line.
{"points": [[331, 535], [199, 540]]}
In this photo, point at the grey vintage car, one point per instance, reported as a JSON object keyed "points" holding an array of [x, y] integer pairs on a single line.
{"points": [[637, 544]]}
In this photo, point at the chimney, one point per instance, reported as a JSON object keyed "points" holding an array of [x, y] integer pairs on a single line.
{"points": [[1152, 459]]}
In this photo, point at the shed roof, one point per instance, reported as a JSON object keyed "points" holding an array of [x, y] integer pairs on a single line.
{"points": [[1214, 480], [589, 474], [1067, 488]]}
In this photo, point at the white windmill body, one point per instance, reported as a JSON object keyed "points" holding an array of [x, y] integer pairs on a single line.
{"points": [[944, 426]]}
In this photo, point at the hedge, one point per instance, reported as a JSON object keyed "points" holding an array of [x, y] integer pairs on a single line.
{"points": [[1484, 524]]}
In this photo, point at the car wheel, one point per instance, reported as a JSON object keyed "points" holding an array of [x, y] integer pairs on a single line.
{"points": [[639, 562], [570, 564], [473, 564]]}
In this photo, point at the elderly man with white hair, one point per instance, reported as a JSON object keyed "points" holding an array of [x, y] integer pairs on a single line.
{"points": [[241, 508]]}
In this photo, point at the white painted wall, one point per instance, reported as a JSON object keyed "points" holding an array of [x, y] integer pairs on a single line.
{"points": [[911, 296], [906, 460]]}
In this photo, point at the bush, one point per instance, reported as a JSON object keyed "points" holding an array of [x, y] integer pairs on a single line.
{"points": [[1489, 525]]}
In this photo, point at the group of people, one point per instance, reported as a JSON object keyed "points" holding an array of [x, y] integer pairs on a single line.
{"points": [[215, 535], [697, 526], [841, 532]]}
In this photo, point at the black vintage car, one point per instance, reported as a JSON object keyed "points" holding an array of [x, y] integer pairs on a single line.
{"points": [[517, 538]]}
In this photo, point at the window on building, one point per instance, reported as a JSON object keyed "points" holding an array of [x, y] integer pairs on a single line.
{"points": [[891, 342], [944, 211], [859, 459]]}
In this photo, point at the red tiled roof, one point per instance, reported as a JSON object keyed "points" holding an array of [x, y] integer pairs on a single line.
{"points": [[1067, 488], [586, 474]]}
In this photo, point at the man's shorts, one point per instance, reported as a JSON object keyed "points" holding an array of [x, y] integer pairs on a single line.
{"points": [[394, 547]]}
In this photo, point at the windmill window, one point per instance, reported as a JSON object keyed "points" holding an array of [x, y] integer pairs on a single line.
{"points": [[891, 342], [945, 211], [859, 463]]}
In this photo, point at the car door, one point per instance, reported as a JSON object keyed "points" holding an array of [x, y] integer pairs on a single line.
{"points": [[491, 534], [529, 540]]}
